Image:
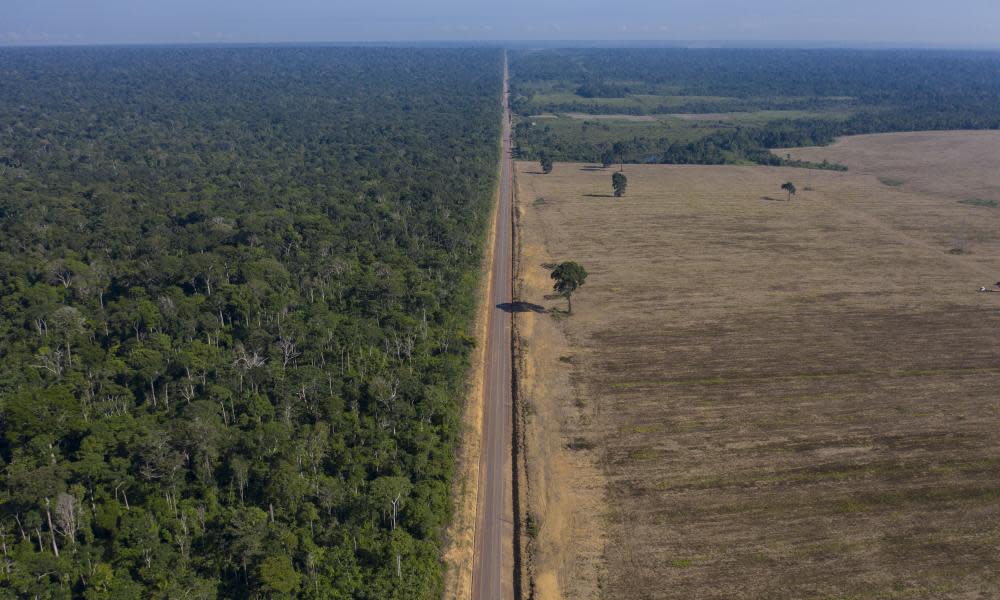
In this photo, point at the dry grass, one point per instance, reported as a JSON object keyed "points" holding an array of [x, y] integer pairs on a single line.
{"points": [[954, 164], [760, 398], [594, 117], [564, 490], [703, 116]]}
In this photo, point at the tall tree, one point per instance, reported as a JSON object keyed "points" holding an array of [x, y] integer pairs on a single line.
{"points": [[546, 163], [789, 187], [568, 277], [618, 183]]}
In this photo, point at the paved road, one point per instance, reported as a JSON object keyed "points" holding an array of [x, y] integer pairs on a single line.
{"points": [[493, 551]]}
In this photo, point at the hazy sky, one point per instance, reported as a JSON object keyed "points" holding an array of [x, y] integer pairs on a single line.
{"points": [[931, 22]]}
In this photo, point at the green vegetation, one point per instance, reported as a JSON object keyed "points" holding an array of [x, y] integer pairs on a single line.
{"points": [[641, 104], [546, 164], [236, 286], [532, 526], [979, 202], [717, 106], [619, 183], [789, 187], [568, 277], [607, 157]]}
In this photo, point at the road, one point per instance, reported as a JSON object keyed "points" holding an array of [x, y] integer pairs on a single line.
{"points": [[492, 564]]}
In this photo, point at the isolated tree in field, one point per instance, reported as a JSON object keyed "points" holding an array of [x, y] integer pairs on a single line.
{"points": [[546, 163], [619, 182], [789, 187], [568, 277]]}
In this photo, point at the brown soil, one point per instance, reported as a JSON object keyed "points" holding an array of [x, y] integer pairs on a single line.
{"points": [[757, 398]]}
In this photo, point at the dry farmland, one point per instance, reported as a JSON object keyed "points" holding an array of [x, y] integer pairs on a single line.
{"points": [[954, 164], [757, 398]]}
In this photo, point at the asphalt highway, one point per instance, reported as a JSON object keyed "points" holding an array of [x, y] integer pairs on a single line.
{"points": [[493, 550]]}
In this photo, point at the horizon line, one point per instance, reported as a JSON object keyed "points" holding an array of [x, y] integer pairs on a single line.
{"points": [[693, 44]]}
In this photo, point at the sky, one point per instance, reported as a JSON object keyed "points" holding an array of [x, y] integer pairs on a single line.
{"points": [[949, 23]]}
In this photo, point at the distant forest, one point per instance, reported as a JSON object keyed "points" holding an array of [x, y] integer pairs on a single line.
{"points": [[881, 91], [236, 288]]}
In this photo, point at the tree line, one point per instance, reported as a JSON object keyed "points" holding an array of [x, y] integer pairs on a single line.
{"points": [[874, 92], [770, 78]]}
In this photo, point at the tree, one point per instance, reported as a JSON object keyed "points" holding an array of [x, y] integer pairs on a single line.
{"points": [[568, 277], [607, 157], [619, 182], [278, 575], [66, 323], [389, 494], [243, 536], [67, 516], [789, 187], [546, 163]]}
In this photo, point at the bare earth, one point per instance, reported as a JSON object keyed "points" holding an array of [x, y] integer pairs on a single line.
{"points": [[757, 398]]}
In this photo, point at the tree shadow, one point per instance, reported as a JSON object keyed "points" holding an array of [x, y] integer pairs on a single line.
{"points": [[594, 168], [520, 306], [598, 196], [770, 199], [535, 173]]}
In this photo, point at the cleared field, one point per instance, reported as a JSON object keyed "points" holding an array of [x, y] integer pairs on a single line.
{"points": [[757, 117], [636, 101], [757, 398], [633, 118], [554, 94], [565, 134], [704, 116], [957, 164]]}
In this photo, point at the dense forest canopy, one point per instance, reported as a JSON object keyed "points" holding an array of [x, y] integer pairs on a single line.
{"points": [[235, 288], [864, 91], [866, 76]]}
